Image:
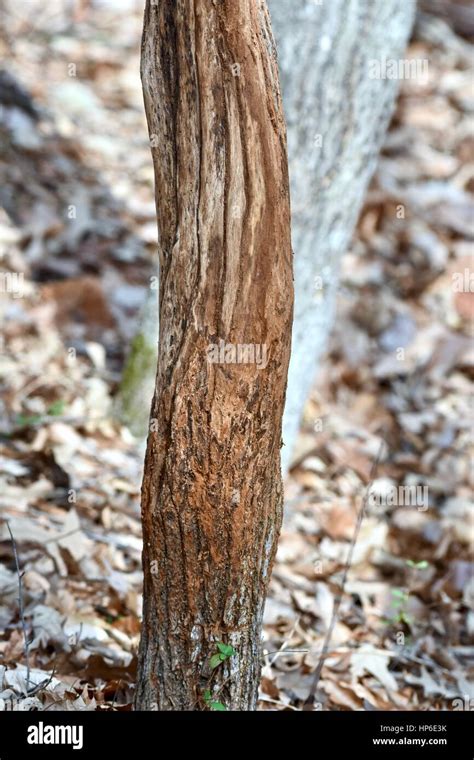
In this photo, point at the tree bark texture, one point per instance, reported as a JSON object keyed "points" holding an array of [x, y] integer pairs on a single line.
{"points": [[337, 117], [212, 494], [324, 52]]}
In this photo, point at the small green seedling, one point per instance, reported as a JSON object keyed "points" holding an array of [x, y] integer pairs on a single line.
{"points": [[402, 596], [56, 409], [212, 704], [224, 652], [25, 420], [400, 601]]}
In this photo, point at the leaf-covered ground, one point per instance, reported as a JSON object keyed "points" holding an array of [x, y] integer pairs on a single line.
{"points": [[76, 186]]}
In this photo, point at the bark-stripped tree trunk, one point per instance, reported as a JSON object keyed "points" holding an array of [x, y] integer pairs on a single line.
{"points": [[337, 116], [212, 495], [324, 54]]}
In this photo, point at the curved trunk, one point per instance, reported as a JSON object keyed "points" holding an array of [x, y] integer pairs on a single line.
{"points": [[337, 118], [212, 495]]}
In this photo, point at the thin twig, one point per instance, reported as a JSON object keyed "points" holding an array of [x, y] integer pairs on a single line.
{"points": [[281, 704], [309, 702], [286, 642], [55, 702], [44, 684], [221, 687], [21, 607], [116, 692], [279, 652]]}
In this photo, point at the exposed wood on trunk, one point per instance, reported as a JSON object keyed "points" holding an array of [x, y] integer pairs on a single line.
{"points": [[212, 496], [324, 54]]}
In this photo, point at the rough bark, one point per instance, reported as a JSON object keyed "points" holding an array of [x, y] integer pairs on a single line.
{"points": [[212, 494], [324, 52]]}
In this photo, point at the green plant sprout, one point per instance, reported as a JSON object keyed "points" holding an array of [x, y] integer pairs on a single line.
{"points": [[212, 704], [56, 409], [401, 597], [223, 653], [400, 601], [418, 565]]}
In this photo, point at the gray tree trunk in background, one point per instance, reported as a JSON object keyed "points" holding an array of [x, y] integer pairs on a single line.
{"points": [[138, 379], [337, 116]]}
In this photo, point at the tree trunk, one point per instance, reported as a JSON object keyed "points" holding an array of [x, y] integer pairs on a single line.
{"points": [[337, 116], [212, 494], [324, 54]]}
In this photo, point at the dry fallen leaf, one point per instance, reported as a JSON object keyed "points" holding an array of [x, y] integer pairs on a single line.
{"points": [[368, 659]]}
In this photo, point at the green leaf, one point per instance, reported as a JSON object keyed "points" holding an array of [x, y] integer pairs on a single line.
{"points": [[207, 696], [218, 707], [215, 661], [399, 593], [57, 408], [24, 420], [226, 649], [422, 565]]}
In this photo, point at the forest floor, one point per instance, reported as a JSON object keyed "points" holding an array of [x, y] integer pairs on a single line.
{"points": [[79, 221]]}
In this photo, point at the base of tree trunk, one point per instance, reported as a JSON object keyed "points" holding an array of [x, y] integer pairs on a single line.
{"points": [[212, 492]]}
